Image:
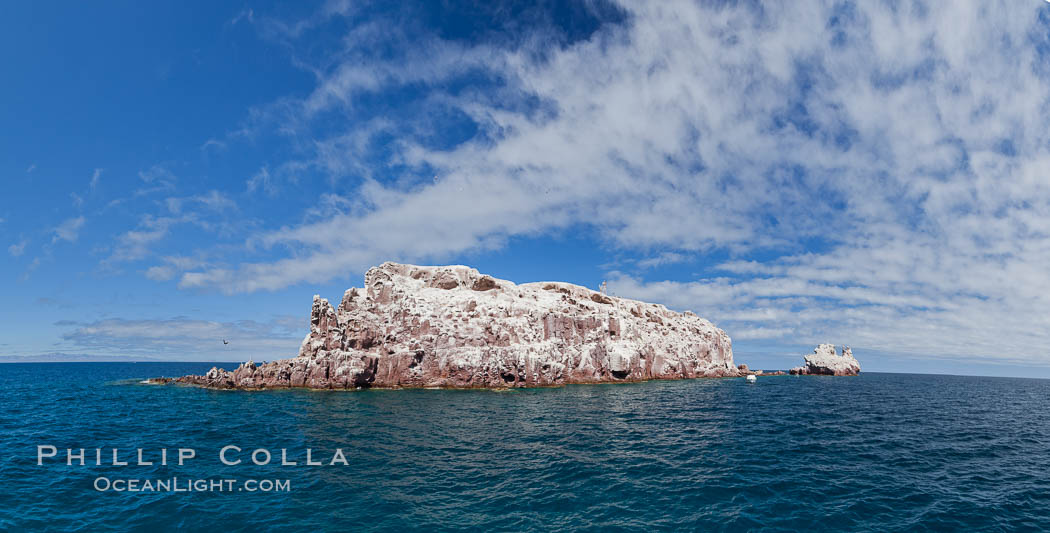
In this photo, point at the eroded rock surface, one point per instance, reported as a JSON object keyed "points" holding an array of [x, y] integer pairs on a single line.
{"points": [[450, 326], [824, 361]]}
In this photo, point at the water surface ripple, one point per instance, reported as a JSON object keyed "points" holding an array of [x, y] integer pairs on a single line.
{"points": [[878, 452]]}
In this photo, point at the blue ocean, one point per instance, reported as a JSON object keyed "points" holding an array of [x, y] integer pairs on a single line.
{"points": [[878, 452]]}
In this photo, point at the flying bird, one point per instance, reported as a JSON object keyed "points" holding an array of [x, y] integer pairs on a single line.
{"points": [[224, 341]]}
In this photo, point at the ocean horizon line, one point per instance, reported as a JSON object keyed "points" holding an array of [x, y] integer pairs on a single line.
{"points": [[4, 360]]}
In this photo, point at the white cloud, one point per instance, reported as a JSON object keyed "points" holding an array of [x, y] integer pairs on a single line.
{"points": [[17, 249], [213, 144], [206, 211], [664, 258], [905, 146], [244, 14], [213, 200], [95, 177], [135, 244], [69, 230], [172, 266], [156, 173], [184, 339], [261, 180], [157, 179], [160, 273]]}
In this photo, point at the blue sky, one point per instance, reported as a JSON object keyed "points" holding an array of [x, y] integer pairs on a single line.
{"points": [[867, 174]]}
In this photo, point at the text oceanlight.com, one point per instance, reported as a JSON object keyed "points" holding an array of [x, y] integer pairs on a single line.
{"points": [[105, 484], [230, 455]]}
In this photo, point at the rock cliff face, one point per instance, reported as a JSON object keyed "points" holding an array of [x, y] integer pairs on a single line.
{"points": [[450, 326], [824, 361]]}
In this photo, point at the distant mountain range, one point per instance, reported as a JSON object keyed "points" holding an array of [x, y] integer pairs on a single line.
{"points": [[60, 357]]}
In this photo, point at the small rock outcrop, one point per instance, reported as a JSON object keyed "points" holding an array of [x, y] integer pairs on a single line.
{"points": [[824, 361], [745, 371], [450, 326]]}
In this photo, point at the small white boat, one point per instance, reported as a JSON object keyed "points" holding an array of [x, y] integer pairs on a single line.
{"points": [[752, 378]]}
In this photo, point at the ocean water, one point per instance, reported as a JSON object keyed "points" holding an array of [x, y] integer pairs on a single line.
{"points": [[878, 452]]}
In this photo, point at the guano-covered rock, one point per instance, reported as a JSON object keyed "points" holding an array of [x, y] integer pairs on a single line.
{"points": [[824, 361], [451, 326]]}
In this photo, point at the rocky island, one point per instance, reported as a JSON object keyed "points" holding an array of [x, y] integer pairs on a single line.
{"points": [[451, 326], [824, 361]]}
